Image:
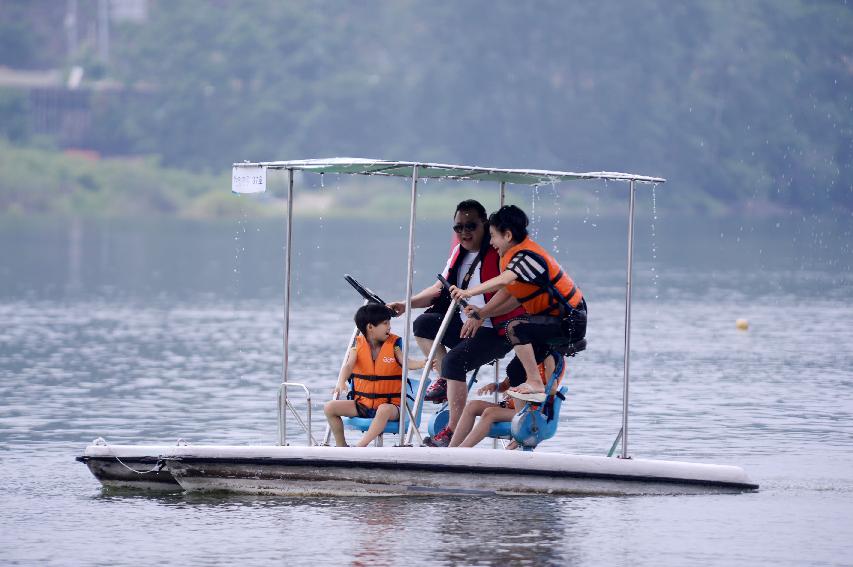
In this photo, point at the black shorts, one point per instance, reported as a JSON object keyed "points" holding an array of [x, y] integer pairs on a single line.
{"points": [[465, 354], [515, 371], [541, 330], [366, 412], [427, 324]]}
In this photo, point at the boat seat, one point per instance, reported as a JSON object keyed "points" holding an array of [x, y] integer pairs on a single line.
{"points": [[440, 418], [503, 429], [363, 423], [566, 348]]}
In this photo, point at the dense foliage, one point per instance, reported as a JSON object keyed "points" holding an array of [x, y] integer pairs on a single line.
{"points": [[44, 182], [734, 102]]}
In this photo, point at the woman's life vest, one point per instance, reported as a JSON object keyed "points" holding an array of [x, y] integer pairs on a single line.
{"points": [[489, 264], [376, 382], [542, 287]]}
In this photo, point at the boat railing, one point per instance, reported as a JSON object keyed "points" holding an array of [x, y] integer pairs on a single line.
{"points": [[284, 404]]}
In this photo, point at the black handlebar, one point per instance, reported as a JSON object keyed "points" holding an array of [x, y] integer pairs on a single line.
{"points": [[363, 291], [462, 302]]}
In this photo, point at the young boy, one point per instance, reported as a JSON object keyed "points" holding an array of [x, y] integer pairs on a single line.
{"points": [[468, 435], [375, 366]]}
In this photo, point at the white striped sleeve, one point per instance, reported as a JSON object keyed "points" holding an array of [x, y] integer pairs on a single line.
{"points": [[528, 267]]}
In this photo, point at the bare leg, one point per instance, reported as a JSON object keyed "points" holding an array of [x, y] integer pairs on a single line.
{"points": [[531, 370], [457, 394], [334, 410], [384, 414], [426, 344], [491, 415], [527, 358], [466, 422]]}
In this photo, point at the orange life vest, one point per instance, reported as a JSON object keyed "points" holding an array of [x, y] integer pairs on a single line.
{"points": [[551, 293], [560, 368], [376, 382], [491, 269]]}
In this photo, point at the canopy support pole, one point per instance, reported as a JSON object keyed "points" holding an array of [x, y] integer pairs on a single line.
{"points": [[624, 454], [287, 262], [409, 271], [501, 200]]}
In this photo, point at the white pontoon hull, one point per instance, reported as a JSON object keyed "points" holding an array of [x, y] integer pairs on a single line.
{"points": [[403, 471]]}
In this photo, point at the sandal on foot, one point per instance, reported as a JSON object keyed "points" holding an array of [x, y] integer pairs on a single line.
{"points": [[527, 396]]}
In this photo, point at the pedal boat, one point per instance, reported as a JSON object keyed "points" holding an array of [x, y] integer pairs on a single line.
{"points": [[404, 469]]}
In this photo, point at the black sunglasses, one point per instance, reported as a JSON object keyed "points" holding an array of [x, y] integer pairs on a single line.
{"points": [[468, 226]]}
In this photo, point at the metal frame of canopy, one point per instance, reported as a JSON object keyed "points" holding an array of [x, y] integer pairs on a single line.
{"points": [[250, 177]]}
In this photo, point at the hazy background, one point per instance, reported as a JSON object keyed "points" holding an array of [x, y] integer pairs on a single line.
{"points": [[742, 106], [141, 301]]}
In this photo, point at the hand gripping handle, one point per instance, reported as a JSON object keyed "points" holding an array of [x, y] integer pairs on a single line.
{"points": [[462, 302]]}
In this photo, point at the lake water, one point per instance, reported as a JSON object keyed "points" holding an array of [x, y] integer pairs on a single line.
{"points": [[150, 332]]}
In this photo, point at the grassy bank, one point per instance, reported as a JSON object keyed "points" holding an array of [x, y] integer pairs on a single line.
{"points": [[50, 183]]}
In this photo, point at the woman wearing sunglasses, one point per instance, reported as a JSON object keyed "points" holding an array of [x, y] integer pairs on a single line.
{"points": [[468, 343]]}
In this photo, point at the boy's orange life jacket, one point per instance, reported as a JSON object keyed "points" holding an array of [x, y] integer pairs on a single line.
{"points": [[552, 292], [376, 382]]}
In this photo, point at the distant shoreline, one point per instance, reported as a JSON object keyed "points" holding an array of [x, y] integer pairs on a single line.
{"points": [[48, 183]]}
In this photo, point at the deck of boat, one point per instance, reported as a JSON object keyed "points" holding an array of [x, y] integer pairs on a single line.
{"points": [[399, 471]]}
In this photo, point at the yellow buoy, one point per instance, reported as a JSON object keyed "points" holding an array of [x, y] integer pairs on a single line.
{"points": [[742, 324]]}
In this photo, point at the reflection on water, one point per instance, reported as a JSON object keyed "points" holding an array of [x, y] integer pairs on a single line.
{"points": [[141, 333]]}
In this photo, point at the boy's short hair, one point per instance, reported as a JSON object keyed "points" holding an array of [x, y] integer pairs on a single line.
{"points": [[373, 314], [510, 218]]}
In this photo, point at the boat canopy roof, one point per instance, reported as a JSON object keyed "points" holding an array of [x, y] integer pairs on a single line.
{"points": [[363, 166]]}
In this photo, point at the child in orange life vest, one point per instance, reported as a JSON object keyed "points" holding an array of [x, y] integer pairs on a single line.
{"points": [[375, 366], [468, 435]]}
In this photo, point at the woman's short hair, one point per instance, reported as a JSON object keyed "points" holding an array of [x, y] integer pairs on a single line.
{"points": [[510, 218], [373, 314]]}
